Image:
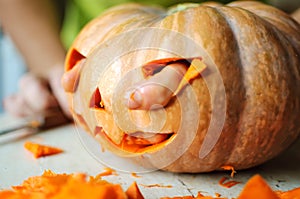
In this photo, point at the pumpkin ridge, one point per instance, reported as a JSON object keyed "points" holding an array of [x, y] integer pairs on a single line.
{"points": [[290, 63], [264, 71], [239, 76], [228, 133], [279, 19], [236, 29]]}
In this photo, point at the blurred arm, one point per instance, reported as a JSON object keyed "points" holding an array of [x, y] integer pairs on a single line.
{"points": [[34, 26]]}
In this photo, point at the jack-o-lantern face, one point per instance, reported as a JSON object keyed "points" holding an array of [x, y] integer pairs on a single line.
{"points": [[246, 73]]}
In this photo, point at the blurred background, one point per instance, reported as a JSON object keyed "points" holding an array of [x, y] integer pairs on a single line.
{"points": [[12, 64]]}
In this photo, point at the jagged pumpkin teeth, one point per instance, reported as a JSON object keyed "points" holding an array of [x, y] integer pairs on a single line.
{"points": [[138, 141], [140, 144], [152, 137], [136, 144]]}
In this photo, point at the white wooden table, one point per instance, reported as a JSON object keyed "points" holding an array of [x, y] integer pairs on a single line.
{"points": [[17, 164]]}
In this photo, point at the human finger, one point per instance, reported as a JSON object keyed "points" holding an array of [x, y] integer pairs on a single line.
{"points": [[158, 89], [16, 106], [70, 79], [55, 81], [36, 93]]}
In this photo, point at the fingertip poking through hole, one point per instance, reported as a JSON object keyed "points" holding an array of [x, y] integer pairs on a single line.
{"points": [[157, 88], [70, 78], [164, 79], [135, 100], [73, 57]]}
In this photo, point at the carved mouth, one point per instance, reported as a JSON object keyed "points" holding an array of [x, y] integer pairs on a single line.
{"points": [[140, 142]]}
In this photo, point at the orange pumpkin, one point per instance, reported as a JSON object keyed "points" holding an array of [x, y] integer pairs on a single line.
{"points": [[242, 110]]}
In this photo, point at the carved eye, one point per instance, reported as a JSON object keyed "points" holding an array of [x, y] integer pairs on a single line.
{"points": [[74, 57], [96, 100], [155, 66]]}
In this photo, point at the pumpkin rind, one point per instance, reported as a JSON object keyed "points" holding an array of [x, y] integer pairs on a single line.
{"points": [[258, 56]]}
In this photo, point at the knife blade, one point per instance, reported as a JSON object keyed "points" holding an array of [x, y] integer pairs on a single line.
{"points": [[41, 121]]}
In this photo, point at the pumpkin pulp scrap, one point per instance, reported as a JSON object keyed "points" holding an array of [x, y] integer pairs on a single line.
{"points": [[39, 150], [56, 186]]}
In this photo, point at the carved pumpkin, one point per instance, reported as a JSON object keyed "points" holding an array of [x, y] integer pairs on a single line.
{"points": [[254, 49]]}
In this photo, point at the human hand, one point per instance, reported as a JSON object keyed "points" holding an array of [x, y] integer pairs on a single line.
{"points": [[38, 96], [55, 82]]}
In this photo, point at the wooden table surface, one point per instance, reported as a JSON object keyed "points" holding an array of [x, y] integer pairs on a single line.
{"points": [[17, 164]]}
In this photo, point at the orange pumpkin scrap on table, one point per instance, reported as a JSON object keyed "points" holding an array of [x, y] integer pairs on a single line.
{"points": [[55, 186], [237, 104], [39, 150]]}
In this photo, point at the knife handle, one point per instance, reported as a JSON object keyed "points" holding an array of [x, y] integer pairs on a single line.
{"points": [[54, 118]]}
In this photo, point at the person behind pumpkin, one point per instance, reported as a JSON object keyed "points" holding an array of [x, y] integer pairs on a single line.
{"points": [[42, 31]]}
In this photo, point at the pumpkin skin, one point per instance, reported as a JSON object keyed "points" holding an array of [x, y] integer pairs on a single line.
{"points": [[257, 54], [296, 15]]}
